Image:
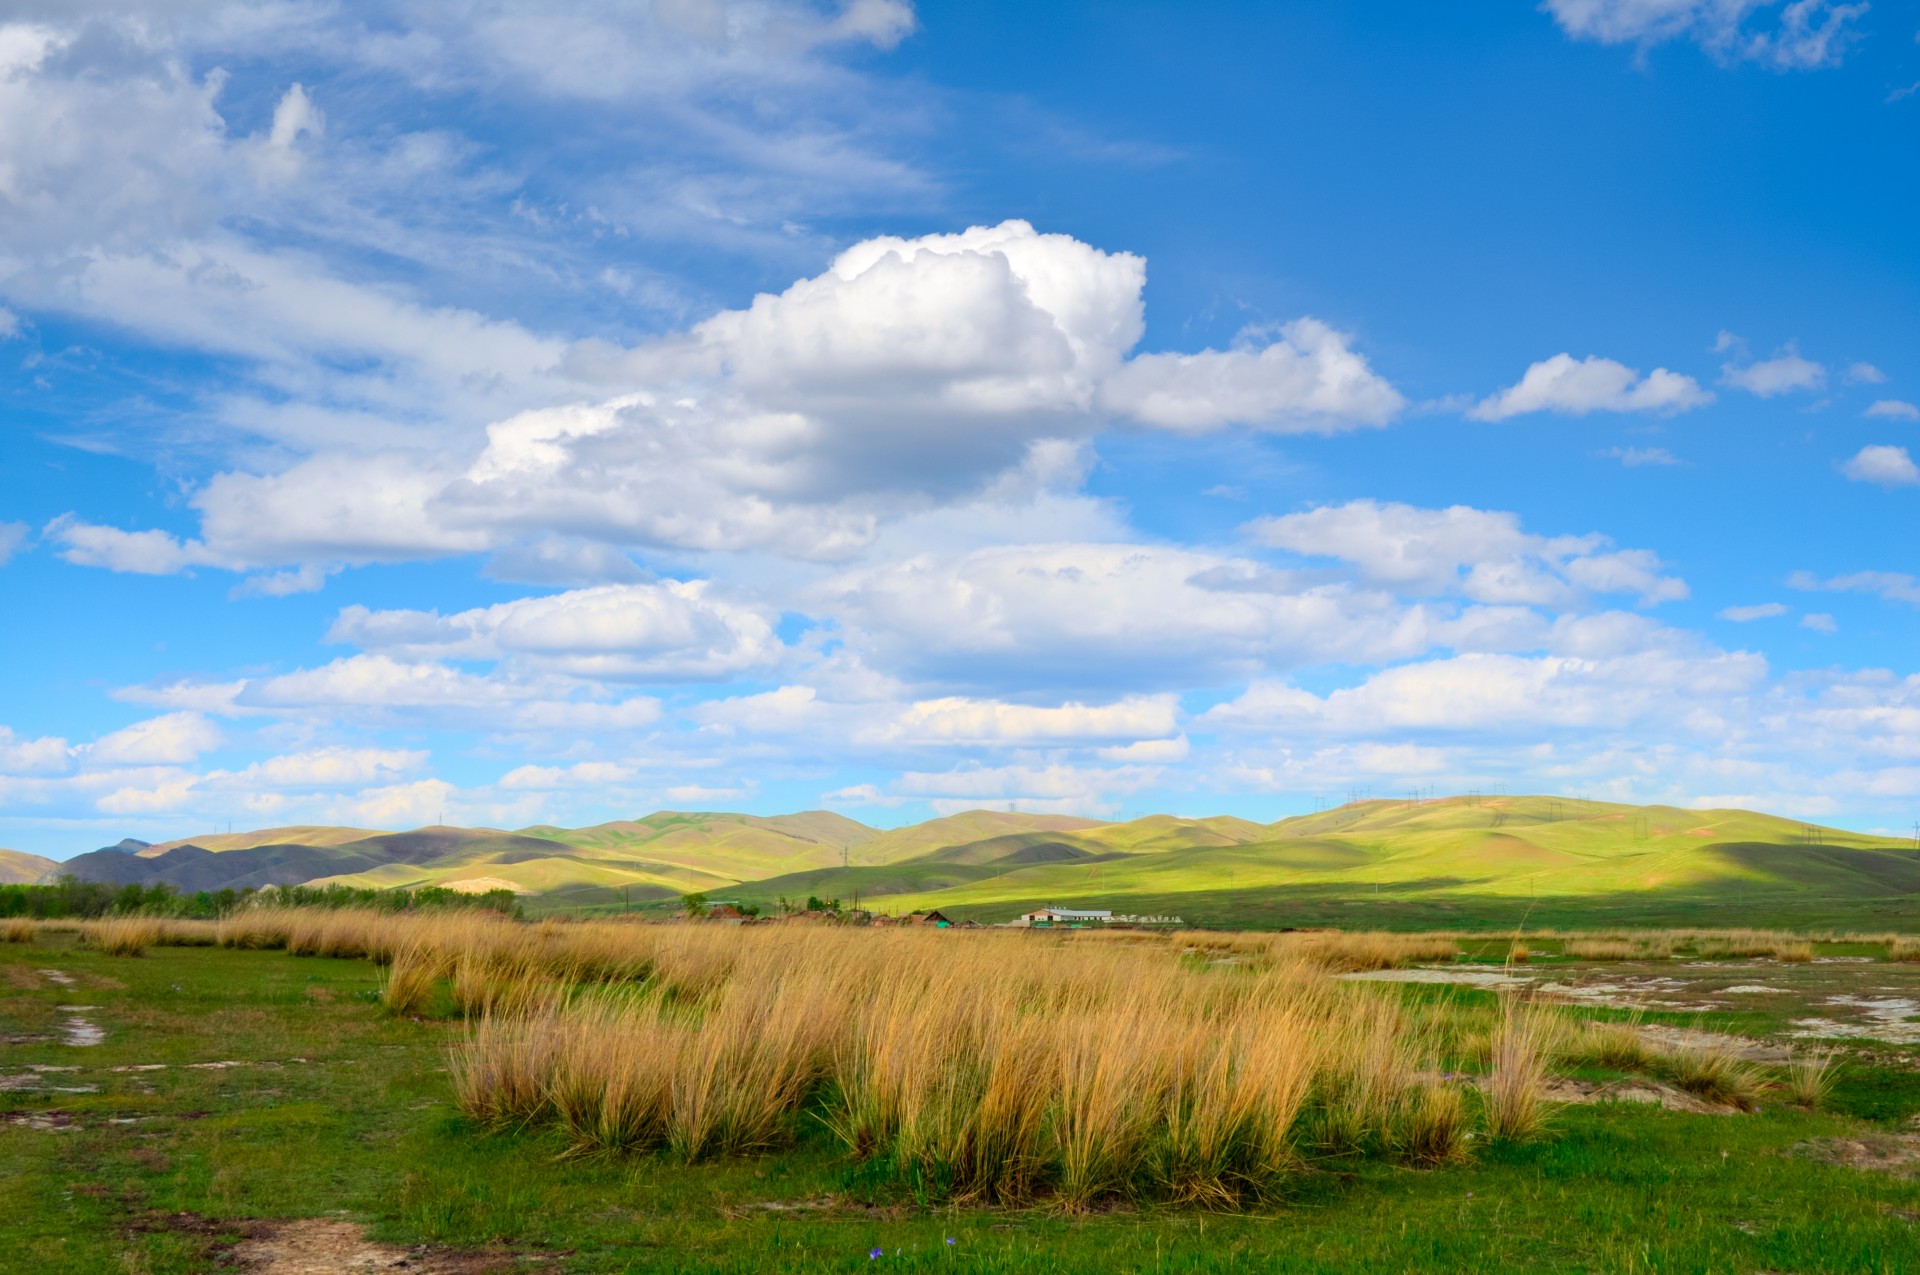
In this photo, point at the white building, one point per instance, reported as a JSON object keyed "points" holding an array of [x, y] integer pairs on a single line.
{"points": [[1046, 917]]}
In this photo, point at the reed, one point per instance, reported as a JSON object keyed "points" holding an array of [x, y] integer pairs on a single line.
{"points": [[1903, 949], [17, 929]]}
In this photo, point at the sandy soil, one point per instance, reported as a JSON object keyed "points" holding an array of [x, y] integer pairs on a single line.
{"points": [[323, 1246]]}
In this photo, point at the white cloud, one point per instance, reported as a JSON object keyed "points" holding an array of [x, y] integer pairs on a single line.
{"points": [[334, 767], [1748, 614], [1806, 35], [1893, 409], [1149, 752], [47, 754], [911, 372], [1784, 373], [1481, 554], [669, 630], [1886, 465], [411, 805], [1819, 622], [1487, 693], [1068, 616], [585, 774], [1307, 379], [165, 796], [173, 739], [955, 720], [702, 793], [1054, 789], [1864, 374], [1894, 586], [154, 553], [12, 536], [1636, 457], [1576, 387], [377, 690]]}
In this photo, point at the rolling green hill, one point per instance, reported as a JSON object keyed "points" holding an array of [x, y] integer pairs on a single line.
{"points": [[1467, 861], [1458, 861]]}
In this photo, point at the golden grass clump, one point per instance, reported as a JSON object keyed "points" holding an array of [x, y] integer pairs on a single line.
{"points": [[1518, 953], [412, 976], [1356, 952], [1810, 1078], [1615, 1046], [1523, 1041], [1714, 1073], [18, 929], [124, 935], [1600, 949], [1746, 944], [1903, 949], [994, 1067]]}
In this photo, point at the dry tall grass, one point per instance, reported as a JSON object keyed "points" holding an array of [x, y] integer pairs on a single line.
{"points": [[1714, 1073], [1810, 1078], [1523, 1040], [996, 1067], [124, 935], [18, 929]]}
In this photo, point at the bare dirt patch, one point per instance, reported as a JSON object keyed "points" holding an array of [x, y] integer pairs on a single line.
{"points": [[326, 1246], [1897, 1153], [1645, 1092], [1892, 1019]]}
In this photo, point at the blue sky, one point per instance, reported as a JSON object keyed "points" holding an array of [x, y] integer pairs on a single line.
{"points": [[526, 413]]}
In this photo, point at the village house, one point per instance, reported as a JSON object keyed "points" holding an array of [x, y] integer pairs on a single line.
{"points": [[935, 919], [1052, 918]]}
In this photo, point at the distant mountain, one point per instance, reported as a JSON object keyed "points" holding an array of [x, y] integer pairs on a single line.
{"points": [[297, 835], [17, 867], [1435, 857]]}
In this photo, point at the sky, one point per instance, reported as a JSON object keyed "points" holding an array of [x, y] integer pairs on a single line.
{"points": [[503, 413]]}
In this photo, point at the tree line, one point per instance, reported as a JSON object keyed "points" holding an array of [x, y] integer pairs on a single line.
{"points": [[72, 897]]}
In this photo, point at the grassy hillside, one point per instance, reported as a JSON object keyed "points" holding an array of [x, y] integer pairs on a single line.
{"points": [[1462, 861], [1454, 862], [920, 839], [17, 867], [293, 835]]}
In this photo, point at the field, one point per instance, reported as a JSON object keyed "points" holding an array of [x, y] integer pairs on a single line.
{"points": [[212, 1107]]}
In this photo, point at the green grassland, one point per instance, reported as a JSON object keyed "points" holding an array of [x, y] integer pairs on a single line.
{"points": [[1454, 863], [327, 1106]]}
